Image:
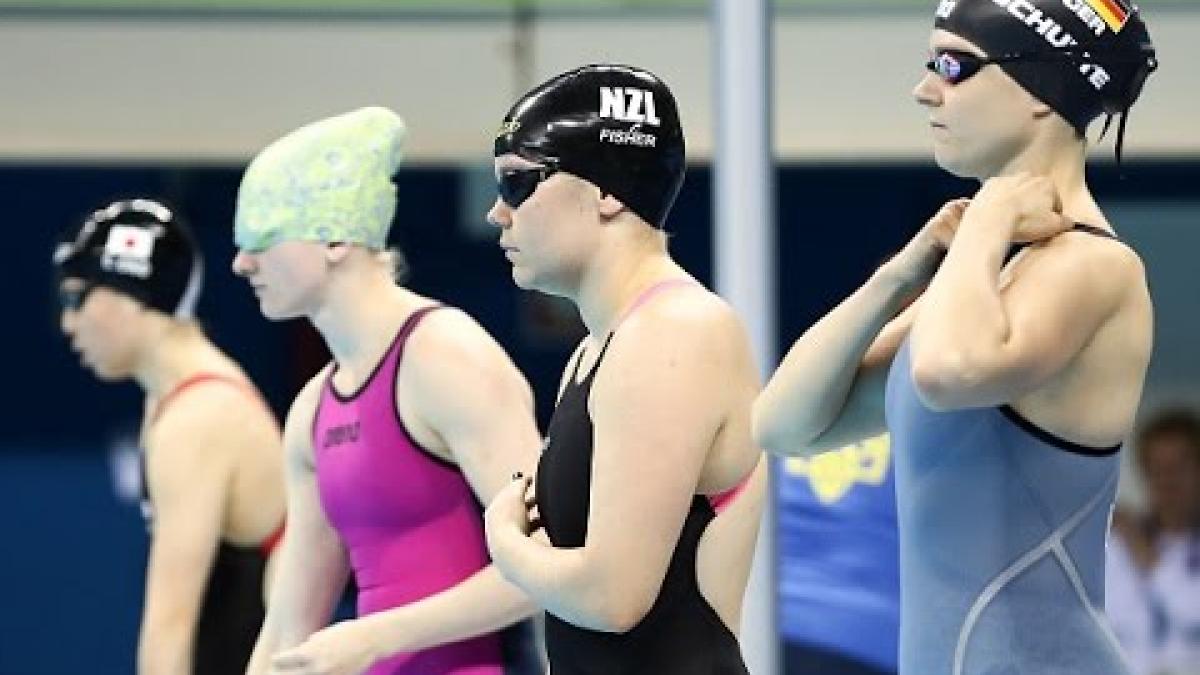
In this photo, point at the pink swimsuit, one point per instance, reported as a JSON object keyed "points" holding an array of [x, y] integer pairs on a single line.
{"points": [[409, 520]]}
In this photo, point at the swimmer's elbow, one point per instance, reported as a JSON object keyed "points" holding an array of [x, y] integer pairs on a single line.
{"points": [[784, 445], [613, 604], [623, 612], [947, 381], [773, 434]]}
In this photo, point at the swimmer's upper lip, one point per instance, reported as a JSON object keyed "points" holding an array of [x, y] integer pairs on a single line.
{"points": [[506, 247]]}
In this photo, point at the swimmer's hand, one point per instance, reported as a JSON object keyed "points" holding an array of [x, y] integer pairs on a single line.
{"points": [[1028, 204], [942, 226], [509, 508], [531, 508], [346, 648], [916, 263]]}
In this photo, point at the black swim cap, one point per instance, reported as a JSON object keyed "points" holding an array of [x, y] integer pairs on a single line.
{"points": [[615, 126], [1083, 58], [139, 248]]}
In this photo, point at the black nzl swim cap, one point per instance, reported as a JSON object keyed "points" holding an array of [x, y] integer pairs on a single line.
{"points": [[614, 126]]}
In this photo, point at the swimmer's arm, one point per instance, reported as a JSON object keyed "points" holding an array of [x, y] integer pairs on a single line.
{"points": [[975, 344], [656, 407], [481, 604], [474, 398], [828, 391], [312, 568], [726, 552], [189, 465]]}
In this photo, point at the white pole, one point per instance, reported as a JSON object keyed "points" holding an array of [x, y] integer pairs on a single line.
{"points": [[744, 242]]}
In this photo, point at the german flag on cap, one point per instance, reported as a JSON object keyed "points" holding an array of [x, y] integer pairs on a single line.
{"points": [[1113, 13]]}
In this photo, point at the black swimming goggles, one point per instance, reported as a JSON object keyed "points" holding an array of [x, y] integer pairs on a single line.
{"points": [[955, 66], [72, 298], [517, 185]]}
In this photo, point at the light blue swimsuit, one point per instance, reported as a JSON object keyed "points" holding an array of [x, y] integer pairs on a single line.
{"points": [[1002, 534]]}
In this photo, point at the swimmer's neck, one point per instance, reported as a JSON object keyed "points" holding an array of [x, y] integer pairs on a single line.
{"points": [[614, 282], [176, 351], [358, 322]]}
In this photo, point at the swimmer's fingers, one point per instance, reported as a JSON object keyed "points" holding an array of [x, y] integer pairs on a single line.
{"points": [[1041, 226], [944, 224], [535, 518], [508, 507], [531, 507], [292, 662], [530, 494], [539, 535]]}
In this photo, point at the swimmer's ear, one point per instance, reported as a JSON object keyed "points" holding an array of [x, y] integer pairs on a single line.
{"points": [[1041, 110], [335, 252], [610, 206]]}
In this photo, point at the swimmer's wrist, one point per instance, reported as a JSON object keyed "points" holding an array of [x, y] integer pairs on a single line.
{"points": [[991, 223], [897, 280], [505, 545], [386, 635], [497, 537]]}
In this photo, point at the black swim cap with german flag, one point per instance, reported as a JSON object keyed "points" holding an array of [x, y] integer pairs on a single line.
{"points": [[1082, 58]]}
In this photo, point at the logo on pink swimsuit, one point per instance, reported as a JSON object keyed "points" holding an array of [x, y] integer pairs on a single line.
{"points": [[343, 433]]}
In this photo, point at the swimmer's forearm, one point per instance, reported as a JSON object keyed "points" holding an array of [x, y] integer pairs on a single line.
{"points": [[291, 618], [271, 638], [311, 575], [165, 650], [482, 604], [963, 325], [807, 393], [172, 605], [556, 579], [264, 648]]}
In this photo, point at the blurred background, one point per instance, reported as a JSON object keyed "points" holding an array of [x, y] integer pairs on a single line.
{"points": [[105, 99]]}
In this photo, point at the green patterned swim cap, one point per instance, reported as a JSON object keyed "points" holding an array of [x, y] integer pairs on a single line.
{"points": [[329, 181]]}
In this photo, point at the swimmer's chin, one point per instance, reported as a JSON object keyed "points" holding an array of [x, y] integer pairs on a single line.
{"points": [[276, 314], [527, 280], [522, 280], [107, 374], [958, 169]]}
